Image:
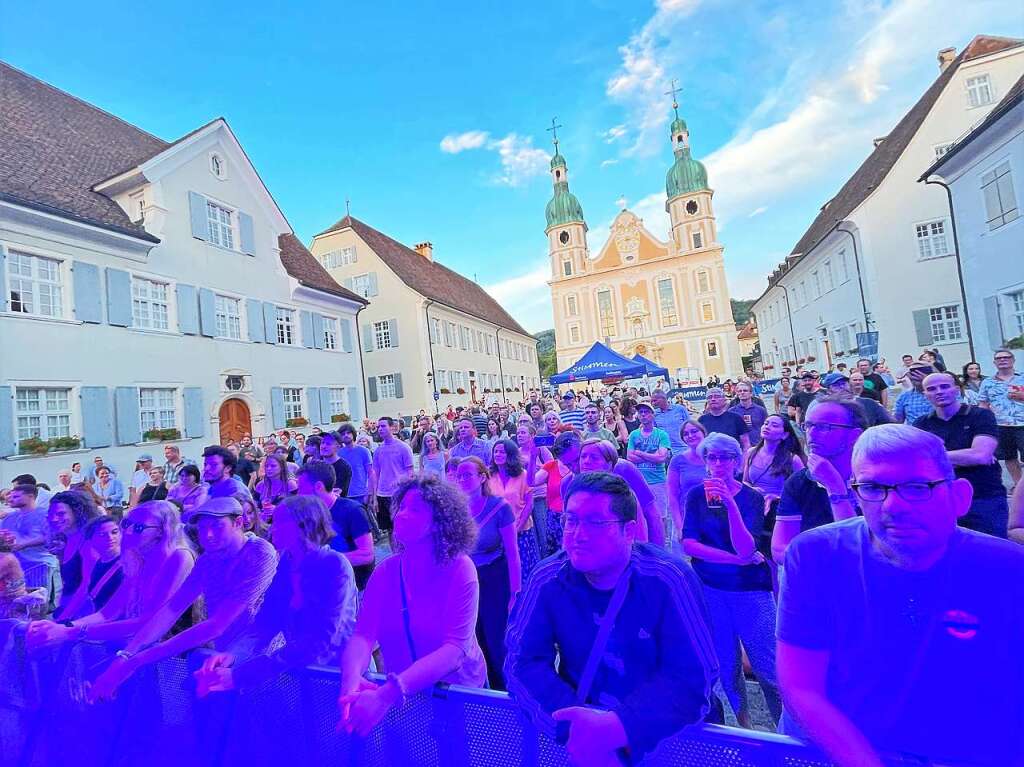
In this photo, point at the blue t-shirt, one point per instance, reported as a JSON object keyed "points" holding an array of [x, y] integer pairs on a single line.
{"points": [[359, 460], [671, 421], [916, 659], [654, 473]]}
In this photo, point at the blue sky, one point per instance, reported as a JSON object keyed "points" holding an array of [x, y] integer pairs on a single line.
{"points": [[431, 117]]}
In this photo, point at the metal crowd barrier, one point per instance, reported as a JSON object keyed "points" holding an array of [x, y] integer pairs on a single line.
{"points": [[157, 721]]}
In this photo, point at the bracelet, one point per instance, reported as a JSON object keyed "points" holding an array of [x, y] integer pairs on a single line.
{"points": [[402, 694], [840, 497], [124, 654]]}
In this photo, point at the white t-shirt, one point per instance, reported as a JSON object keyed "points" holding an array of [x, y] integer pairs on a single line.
{"points": [[140, 479]]}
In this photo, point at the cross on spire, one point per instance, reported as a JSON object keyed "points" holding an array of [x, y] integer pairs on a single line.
{"points": [[672, 92], [554, 132], [348, 208]]}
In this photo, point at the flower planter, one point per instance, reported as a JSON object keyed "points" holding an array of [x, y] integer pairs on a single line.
{"points": [[293, 422], [340, 417], [37, 446], [161, 435], [460, 390]]}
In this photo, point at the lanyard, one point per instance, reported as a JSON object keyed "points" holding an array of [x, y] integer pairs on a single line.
{"points": [[606, 624]]}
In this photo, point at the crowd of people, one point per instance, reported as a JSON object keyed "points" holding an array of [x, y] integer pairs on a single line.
{"points": [[617, 560]]}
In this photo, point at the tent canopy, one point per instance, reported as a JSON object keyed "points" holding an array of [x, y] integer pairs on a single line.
{"points": [[652, 368], [599, 362]]}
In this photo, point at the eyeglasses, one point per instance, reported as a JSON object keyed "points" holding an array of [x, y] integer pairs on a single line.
{"points": [[719, 457], [571, 522], [136, 527], [1003, 358], [824, 427], [914, 492]]}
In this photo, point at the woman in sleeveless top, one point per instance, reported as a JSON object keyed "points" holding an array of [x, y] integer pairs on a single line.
{"points": [[432, 455], [768, 464], [508, 481]]}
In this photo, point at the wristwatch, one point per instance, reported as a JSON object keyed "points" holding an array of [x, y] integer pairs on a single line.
{"points": [[124, 654], [840, 497]]}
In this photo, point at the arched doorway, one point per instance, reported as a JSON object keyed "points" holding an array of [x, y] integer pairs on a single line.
{"points": [[235, 420]]}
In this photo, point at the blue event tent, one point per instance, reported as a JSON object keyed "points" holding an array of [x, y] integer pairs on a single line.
{"points": [[599, 362], [652, 368]]}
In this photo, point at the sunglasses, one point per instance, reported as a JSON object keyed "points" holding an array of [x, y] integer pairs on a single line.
{"points": [[136, 527]]}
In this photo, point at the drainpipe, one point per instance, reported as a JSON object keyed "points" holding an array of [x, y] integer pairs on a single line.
{"points": [[430, 346], [860, 282], [789, 313], [362, 367], [501, 372], [959, 266]]}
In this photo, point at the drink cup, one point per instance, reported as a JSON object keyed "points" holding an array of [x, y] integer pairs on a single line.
{"points": [[711, 493]]}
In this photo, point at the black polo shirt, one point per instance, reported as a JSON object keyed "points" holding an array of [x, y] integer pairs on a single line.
{"points": [[802, 399], [957, 434], [726, 423]]}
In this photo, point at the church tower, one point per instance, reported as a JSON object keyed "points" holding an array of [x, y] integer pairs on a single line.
{"points": [[566, 229], [688, 195]]}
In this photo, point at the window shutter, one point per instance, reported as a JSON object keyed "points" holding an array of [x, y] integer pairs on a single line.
{"points": [[277, 407], [923, 326], [270, 324], [355, 404], [119, 298], [371, 384], [3, 287], [346, 335], [87, 294], [306, 320], [399, 393], [97, 425], [324, 393], [994, 322], [254, 319], [197, 209], [315, 414], [993, 210], [194, 420], [188, 309], [367, 338], [372, 291], [347, 282], [8, 446], [393, 329], [126, 407], [245, 234], [207, 313], [318, 331]]}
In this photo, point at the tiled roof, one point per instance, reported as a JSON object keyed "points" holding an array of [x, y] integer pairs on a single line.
{"points": [[749, 330], [431, 279], [876, 167], [303, 266]]}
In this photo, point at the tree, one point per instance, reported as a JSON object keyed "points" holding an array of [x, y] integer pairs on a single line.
{"points": [[546, 353], [741, 310]]}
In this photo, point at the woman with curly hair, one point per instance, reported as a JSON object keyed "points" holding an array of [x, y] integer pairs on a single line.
{"points": [[67, 516], [420, 606]]}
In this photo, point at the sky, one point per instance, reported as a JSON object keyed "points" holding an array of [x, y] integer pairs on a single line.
{"points": [[431, 117]]}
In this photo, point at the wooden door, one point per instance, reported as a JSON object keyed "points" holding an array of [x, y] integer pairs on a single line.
{"points": [[234, 421]]}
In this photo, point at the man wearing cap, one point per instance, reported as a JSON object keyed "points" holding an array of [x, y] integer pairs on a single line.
{"points": [[650, 449], [803, 397], [140, 478], [570, 414], [231, 575], [912, 404], [837, 383]]}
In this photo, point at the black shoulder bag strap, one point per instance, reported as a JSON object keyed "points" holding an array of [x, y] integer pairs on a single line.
{"points": [[606, 624]]}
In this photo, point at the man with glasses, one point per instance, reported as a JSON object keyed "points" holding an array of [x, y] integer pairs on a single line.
{"points": [[820, 493], [718, 418], [626, 622], [570, 414], [970, 435], [898, 630], [1003, 394]]}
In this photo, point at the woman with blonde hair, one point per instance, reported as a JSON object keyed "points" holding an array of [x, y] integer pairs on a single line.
{"points": [[156, 558]]}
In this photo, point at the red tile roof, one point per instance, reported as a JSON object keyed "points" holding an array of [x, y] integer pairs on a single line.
{"points": [[431, 279], [303, 266]]}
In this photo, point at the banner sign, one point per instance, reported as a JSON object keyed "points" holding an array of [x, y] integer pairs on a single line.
{"points": [[700, 393], [867, 345]]}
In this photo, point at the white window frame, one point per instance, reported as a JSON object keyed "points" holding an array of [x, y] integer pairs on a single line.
{"points": [[830, 281], [606, 322], [707, 312], [334, 259], [980, 92], [946, 324], [713, 349], [943, 148], [221, 222], [464, 342], [575, 336], [703, 278], [287, 333], [667, 313], [228, 323], [816, 283], [436, 330], [45, 412], [382, 335], [386, 386], [337, 400], [330, 334], [151, 305], [361, 284], [294, 404], [158, 408], [567, 267], [490, 344], [993, 178], [844, 264], [933, 239], [572, 306], [1016, 302], [39, 284]]}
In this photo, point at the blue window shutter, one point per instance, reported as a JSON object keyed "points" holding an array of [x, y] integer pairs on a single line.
{"points": [[3, 286], [245, 234], [8, 446], [188, 309], [393, 329], [194, 418], [371, 384], [346, 336], [324, 393], [270, 324], [119, 298], [197, 209], [313, 398], [277, 407], [88, 295], [923, 327], [254, 318], [97, 424], [399, 392], [367, 338], [126, 407], [347, 283], [372, 291], [318, 331], [207, 313], [306, 321], [355, 404]]}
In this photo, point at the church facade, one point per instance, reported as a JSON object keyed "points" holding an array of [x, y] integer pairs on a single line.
{"points": [[665, 299]]}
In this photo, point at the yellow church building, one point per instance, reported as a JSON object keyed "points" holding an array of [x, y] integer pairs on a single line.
{"points": [[667, 300]]}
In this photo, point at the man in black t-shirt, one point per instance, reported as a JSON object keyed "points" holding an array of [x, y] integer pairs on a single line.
{"points": [[330, 444], [245, 466], [873, 381], [803, 397], [717, 418], [971, 436]]}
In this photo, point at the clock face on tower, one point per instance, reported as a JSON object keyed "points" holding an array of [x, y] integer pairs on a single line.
{"points": [[563, 237], [691, 207]]}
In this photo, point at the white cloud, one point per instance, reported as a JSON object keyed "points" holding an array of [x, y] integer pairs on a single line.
{"points": [[520, 159], [757, 211], [527, 296], [454, 143], [614, 133], [608, 163]]}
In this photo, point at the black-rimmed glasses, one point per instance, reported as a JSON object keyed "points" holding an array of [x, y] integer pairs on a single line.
{"points": [[825, 427], [913, 492]]}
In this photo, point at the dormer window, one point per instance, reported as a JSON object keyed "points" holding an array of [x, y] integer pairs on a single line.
{"points": [[979, 91], [217, 165]]}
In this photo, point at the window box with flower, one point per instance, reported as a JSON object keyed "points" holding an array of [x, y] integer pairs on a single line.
{"points": [[161, 435], [445, 390], [293, 422], [340, 417], [38, 446]]}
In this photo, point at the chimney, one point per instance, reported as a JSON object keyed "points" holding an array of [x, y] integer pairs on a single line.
{"points": [[425, 249], [946, 56], [878, 141]]}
